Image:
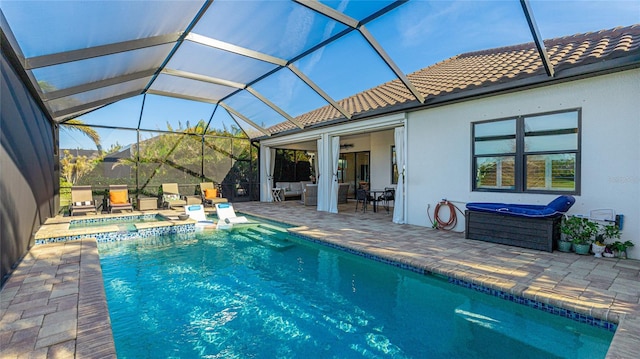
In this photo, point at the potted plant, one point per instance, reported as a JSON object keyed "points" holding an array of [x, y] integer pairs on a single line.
{"points": [[564, 242], [608, 251], [600, 247], [580, 231], [621, 248]]}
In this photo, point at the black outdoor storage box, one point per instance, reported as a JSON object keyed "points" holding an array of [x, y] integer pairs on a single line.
{"points": [[526, 232]]}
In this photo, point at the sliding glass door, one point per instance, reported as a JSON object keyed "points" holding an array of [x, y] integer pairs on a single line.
{"points": [[353, 168]]}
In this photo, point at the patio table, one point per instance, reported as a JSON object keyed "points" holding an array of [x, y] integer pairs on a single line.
{"points": [[147, 203], [277, 194], [375, 193]]}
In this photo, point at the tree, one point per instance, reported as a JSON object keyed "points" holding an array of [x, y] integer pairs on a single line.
{"points": [[178, 157], [78, 125], [74, 168], [73, 124]]}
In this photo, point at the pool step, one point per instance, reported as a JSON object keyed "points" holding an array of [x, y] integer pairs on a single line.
{"points": [[126, 228], [273, 241], [272, 228], [271, 233], [262, 230]]}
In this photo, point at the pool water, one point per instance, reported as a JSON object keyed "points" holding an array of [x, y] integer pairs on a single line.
{"points": [[236, 294]]}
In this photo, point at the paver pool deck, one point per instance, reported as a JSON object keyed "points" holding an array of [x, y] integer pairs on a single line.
{"points": [[54, 304]]}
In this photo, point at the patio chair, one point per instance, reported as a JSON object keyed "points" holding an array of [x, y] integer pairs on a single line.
{"points": [[171, 196], [227, 218], [210, 194], [362, 196], [196, 212], [227, 214], [343, 193], [387, 196], [82, 200], [119, 199], [310, 195]]}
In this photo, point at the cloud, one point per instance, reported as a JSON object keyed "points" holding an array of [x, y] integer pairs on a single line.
{"points": [[297, 30], [421, 20], [311, 61], [314, 58]]}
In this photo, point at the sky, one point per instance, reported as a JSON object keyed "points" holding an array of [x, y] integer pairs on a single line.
{"points": [[416, 34]]}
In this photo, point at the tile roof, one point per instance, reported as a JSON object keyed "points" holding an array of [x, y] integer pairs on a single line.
{"points": [[483, 70]]}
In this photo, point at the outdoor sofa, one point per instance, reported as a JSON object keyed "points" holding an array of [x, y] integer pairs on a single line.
{"points": [[291, 189]]}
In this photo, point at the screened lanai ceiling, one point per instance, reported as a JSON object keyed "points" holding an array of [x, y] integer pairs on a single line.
{"points": [[252, 64]]}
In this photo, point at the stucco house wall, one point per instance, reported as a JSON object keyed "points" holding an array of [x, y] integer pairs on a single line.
{"points": [[439, 148]]}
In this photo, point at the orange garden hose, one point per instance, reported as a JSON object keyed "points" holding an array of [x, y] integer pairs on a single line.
{"points": [[439, 223]]}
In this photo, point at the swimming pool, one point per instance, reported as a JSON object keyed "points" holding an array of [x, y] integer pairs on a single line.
{"points": [[238, 294]]}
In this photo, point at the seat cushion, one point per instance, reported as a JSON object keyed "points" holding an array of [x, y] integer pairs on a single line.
{"points": [[118, 197], [177, 203], [210, 193], [83, 204], [295, 187], [555, 208], [121, 205], [562, 203]]}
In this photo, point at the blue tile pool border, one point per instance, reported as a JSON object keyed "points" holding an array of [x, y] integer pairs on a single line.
{"points": [[566, 313], [129, 217], [116, 236]]}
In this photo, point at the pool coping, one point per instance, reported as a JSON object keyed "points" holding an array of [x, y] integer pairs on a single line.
{"points": [[31, 283]]}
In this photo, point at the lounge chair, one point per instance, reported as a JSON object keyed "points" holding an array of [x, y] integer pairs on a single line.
{"points": [[210, 194], [227, 217], [227, 214], [82, 200], [196, 212], [171, 196], [119, 199]]}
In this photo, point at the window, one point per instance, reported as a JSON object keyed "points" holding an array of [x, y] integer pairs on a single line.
{"points": [[533, 153]]}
